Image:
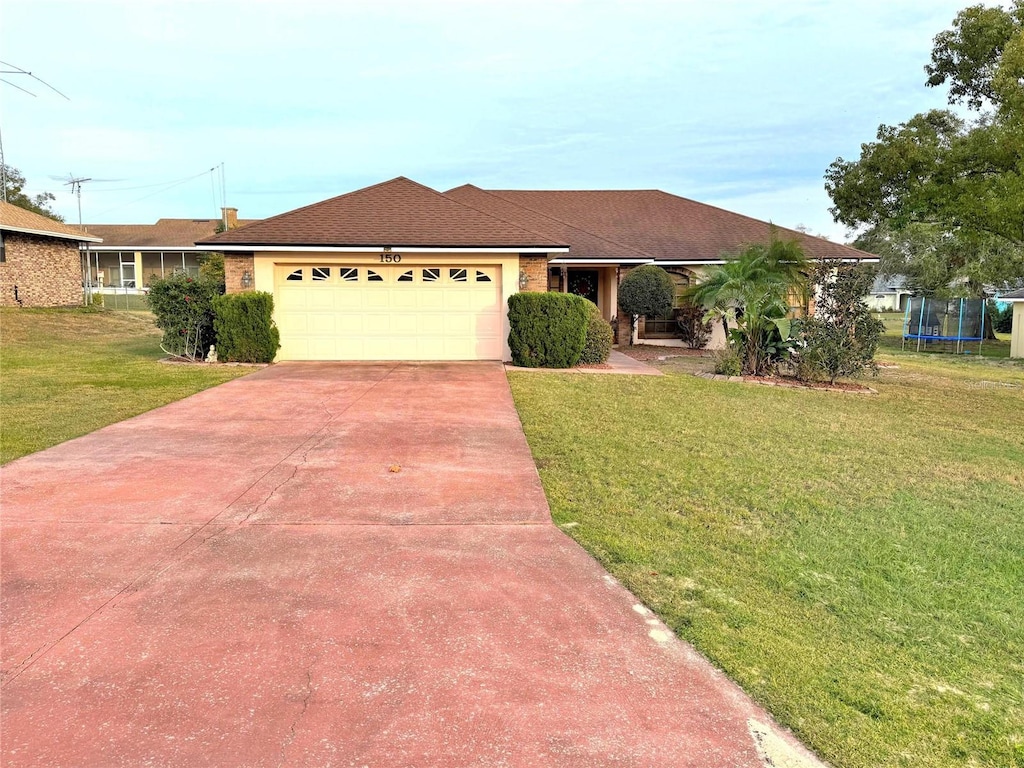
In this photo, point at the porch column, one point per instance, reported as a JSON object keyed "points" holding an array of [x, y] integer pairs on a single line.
{"points": [[138, 269]]}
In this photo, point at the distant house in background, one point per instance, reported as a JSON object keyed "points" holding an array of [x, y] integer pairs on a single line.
{"points": [[889, 294], [133, 255], [41, 264]]}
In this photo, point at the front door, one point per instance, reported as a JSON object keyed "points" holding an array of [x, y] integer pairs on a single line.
{"points": [[583, 282]]}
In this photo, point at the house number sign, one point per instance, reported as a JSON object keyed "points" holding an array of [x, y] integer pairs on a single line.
{"points": [[390, 258]]}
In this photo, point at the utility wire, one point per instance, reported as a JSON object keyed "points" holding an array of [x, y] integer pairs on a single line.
{"points": [[15, 85], [150, 186], [153, 194]]}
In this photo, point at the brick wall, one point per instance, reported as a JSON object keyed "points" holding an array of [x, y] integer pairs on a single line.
{"points": [[536, 268], [46, 270], [235, 264]]}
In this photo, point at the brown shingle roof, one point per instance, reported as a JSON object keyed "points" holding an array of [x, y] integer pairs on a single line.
{"points": [[583, 244], [15, 219], [399, 212], [1017, 295], [665, 226], [166, 233]]}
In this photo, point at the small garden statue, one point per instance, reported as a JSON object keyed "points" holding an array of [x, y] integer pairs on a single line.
{"points": [[211, 356]]}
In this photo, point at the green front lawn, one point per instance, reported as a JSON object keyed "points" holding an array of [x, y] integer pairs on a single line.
{"points": [[64, 373], [855, 562]]}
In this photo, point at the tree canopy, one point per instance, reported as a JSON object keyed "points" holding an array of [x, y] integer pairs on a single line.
{"points": [[14, 183], [945, 188]]}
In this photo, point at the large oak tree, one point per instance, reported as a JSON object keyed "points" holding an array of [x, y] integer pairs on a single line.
{"points": [[941, 197]]}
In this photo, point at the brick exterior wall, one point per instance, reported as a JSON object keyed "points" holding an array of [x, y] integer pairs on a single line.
{"points": [[235, 264], [536, 268], [46, 270]]}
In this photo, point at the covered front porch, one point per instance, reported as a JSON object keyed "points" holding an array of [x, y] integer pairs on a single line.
{"points": [[599, 282]]}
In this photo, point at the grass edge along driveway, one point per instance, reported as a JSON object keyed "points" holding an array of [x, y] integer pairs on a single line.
{"points": [[854, 562], [67, 372]]}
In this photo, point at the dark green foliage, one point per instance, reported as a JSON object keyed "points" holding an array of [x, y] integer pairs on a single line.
{"points": [[245, 328], [211, 266], [646, 290], [15, 185], [1003, 319], [694, 330], [842, 337], [547, 330], [183, 310], [598, 343]]}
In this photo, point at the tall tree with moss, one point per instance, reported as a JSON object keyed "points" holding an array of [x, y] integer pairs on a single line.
{"points": [[14, 187], [941, 197]]}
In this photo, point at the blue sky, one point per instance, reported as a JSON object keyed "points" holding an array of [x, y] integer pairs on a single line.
{"points": [[737, 104]]}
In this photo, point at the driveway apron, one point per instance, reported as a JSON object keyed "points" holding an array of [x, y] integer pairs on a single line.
{"points": [[334, 564]]}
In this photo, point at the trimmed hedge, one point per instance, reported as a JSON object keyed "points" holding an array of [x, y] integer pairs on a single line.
{"points": [[245, 327], [598, 342], [548, 330]]}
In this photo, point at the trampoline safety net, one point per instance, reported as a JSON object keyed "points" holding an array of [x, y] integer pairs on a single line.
{"points": [[955, 320]]}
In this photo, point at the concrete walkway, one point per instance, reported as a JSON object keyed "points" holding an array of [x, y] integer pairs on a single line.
{"points": [[617, 363], [333, 564]]}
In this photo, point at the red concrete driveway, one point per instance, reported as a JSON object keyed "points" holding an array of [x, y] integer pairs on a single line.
{"points": [[241, 579]]}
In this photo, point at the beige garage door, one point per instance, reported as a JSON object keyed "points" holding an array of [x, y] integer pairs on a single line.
{"points": [[332, 312]]}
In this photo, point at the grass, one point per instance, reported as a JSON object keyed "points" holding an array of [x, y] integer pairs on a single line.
{"points": [[853, 561], [64, 373]]}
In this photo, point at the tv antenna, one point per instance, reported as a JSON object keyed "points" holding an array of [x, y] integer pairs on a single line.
{"points": [[76, 182]]}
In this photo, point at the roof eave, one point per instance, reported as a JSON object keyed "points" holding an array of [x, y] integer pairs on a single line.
{"points": [[83, 238], [306, 248]]}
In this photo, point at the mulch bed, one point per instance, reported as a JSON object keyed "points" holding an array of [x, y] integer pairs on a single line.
{"points": [[645, 353]]}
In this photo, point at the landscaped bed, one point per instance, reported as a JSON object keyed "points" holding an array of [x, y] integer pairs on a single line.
{"points": [[854, 562], [68, 372]]}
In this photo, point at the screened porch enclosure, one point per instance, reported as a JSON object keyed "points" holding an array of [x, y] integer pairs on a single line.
{"points": [[136, 270]]}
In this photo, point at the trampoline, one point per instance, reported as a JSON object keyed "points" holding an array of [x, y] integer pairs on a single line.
{"points": [[951, 323]]}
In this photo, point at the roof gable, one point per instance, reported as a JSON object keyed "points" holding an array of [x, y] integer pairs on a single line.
{"points": [[394, 213], [16, 219]]}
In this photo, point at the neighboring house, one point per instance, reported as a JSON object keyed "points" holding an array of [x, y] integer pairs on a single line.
{"points": [[41, 264], [1016, 298], [889, 294], [399, 271], [133, 255]]}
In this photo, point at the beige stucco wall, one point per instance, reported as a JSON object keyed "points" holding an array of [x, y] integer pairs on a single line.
{"points": [[1017, 332], [263, 269], [47, 271]]}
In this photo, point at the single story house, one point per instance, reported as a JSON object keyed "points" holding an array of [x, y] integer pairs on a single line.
{"points": [[889, 294], [1016, 298], [399, 271], [41, 261], [133, 255]]}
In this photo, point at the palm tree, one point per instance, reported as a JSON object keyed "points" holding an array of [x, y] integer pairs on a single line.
{"points": [[753, 289]]}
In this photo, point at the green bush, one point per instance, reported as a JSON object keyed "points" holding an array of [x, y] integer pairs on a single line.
{"points": [[728, 362], [598, 342], [1003, 319], [646, 290], [547, 330], [693, 329], [245, 327], [211, 267], [183, 310]]}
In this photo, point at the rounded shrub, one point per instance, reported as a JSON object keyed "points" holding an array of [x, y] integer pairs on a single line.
{"points": [[597, 344], [646, 290], [245, 328], [546, 330]]}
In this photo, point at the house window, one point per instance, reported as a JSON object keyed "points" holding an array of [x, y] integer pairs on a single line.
{"points": [[373, 277], [321, 273], [664, 326], [431, 275], [457, 275], [405, 277], [295, 276], [3, 249], [349, 274], [482, 277]]}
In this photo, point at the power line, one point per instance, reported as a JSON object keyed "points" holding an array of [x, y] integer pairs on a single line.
{"points": [[153, 194]]}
